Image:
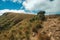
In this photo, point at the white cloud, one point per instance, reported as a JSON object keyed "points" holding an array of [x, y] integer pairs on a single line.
{"points": [[7, 10], [14, 11], [47, 5], [37, 5], [54, 7], [14, 0], [19, 1], [32, 4]]}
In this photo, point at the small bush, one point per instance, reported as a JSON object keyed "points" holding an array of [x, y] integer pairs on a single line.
{"points": [[5, 14], [38, 26], [1, 28], [21, 27], [34, 30], [5, 35], [33, 19], [17, 21], [11, 37], [41, 15], [27, 35]]}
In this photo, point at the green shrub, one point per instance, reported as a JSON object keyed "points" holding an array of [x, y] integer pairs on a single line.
{"points": [[41, 15], [32, 19], [21, 27], [38, 26], [11, 37], [27, 35], [17, 21], [5, 14], [34, 30]]}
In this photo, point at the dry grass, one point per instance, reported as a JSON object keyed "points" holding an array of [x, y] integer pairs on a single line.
{"points": [[19, 27]]}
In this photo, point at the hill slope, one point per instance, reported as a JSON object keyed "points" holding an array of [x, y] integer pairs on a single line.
{"points": [[14, 26]]}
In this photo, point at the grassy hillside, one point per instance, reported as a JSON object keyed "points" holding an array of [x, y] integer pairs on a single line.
{"points": [[14, 26], [10, 19]]}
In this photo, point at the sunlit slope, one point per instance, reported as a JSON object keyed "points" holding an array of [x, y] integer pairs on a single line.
{"points": [[14, 26], [10, 19]]}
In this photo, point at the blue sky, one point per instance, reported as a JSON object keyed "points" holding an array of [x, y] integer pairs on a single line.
{"points": [[30, 6], [8, 4]]}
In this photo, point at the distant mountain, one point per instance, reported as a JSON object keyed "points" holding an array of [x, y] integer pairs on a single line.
{"points": [[20, 26]]}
